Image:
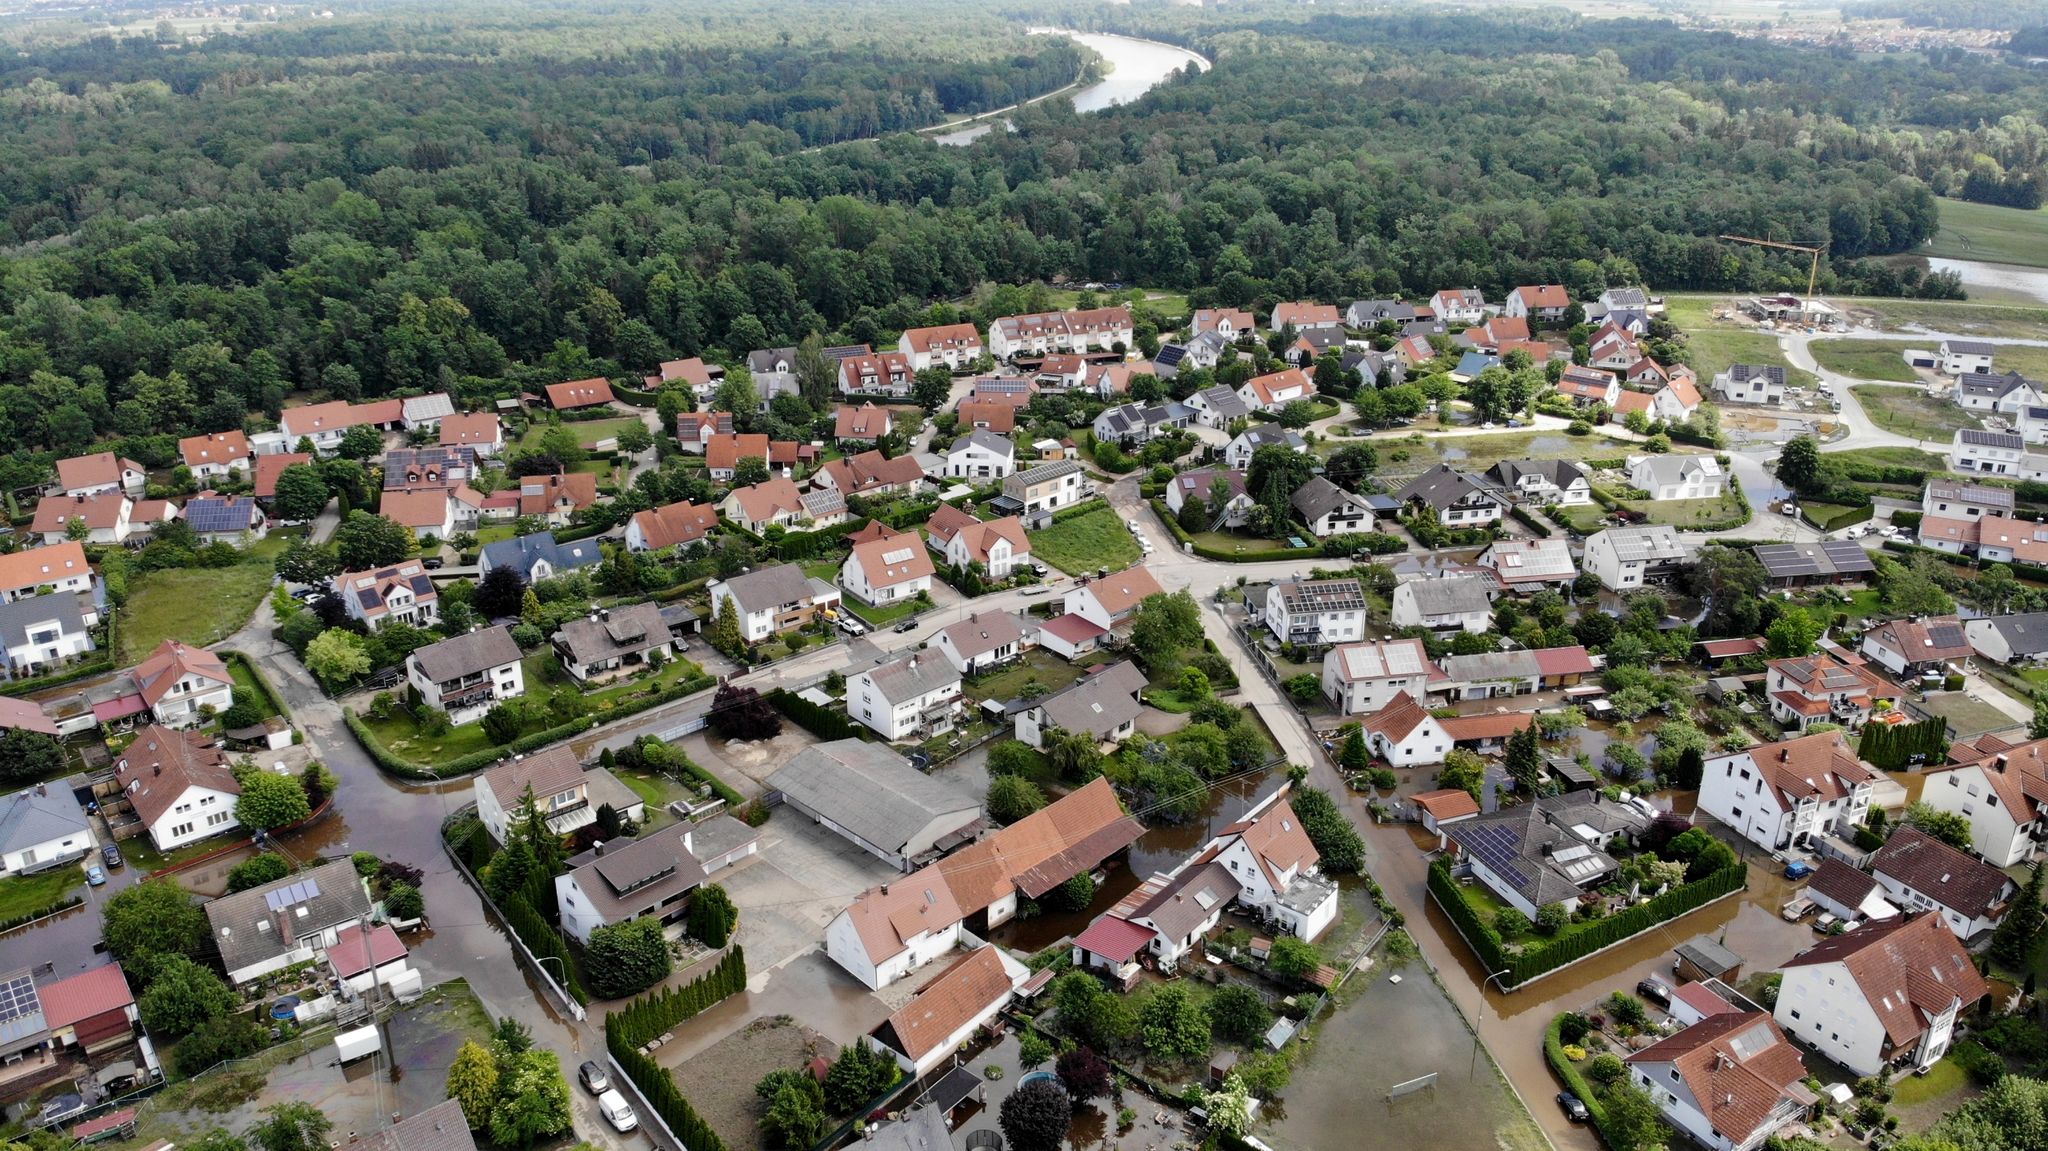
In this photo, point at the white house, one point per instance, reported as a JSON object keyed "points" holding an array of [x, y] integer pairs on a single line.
{"points": [[1910, 647], [883, 571], [179, 785], [1315, 611], [1080, 331], [1238, 453], [953, 346], [1751, 384], [1539, 303], [1463, 603], [2009, 639], [1109, 601], [2008, 395], [889, 931], [291, 920], [1961, 357], [1329, 510], [999, 546], [1404, 733], [1104, 703], [41, 829], [1545, 482], [1792, 792], [42, 634], [1459, 306], [183, 685], [769, 601], [1551, 850], [215, 455], [401, 592], [1216, 407], [2001, 789], [1886, 994], [1987, 453], [980, 455], [1278, 870], [1729, 1081], [1677, 477], [1045, 488], [1366, 677], [1457, 500], [910, 697], [1201, 485], [44, 571], [1627, 558], [943, 1015], [468, 675], [1270, 393], [564, 794], [1848, 894], [1824, 688], [652, 877], [1921, 873], [985, 640], [613, 642], [101, 472]]}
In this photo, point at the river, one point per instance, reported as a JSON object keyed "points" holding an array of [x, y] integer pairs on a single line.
{"points": [[1136, 67]]}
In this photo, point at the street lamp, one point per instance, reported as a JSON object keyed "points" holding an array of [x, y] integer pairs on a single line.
{"points": [[1479, 1020]]}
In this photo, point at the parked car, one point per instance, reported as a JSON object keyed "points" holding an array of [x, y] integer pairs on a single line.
{"points": [[617, 1111], [1826, 922], [906, 627], [1798, 869], [1798, 909], [432, 563], [1654, 990], [1041, 569], [1788, 508], [110, 854], [94, 875], [852, 626], [594, 1079], [1574, 1110]]}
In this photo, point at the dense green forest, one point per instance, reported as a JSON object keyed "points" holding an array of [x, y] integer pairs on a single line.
{"points": [[476, 198]]}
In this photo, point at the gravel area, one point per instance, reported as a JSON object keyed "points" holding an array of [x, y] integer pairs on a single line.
{"points": [[720, 1079]]}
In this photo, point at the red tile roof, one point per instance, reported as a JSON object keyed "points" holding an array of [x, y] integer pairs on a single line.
{"points": [[1073, 629], [1941, 873], [1739, 1067], [79, 997], [351, 955], [172, 661], [1564, 661], [214, 448], [1908, 968], [1402, 715], [1048, 847], [1544, 296], [1447, 804], [1117, 940], [156, 770], [1493, 725], [950, 1002], [269, 467], [44, 565], [888, 917], [579, 393], [1731, 648]]}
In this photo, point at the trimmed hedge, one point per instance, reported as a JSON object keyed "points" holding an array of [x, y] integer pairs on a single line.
{"points": [[723, 790], [1531, 522], [1905, 519], [1840, 519], [1532, 962], [643, 1019], [32, 916], [544, 941], [1553, 1051], [821, 722], [21, 687]]}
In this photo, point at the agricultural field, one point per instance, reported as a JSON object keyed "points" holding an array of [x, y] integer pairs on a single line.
{"points": [[1988, 232]]}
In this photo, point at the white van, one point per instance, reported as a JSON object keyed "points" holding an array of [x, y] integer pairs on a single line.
{"points": [[617, 1111]]}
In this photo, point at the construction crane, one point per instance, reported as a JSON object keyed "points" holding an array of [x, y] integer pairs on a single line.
{"points": [[1814, 249]]}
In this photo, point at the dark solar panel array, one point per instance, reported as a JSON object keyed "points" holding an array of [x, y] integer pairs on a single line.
{"points": [[1498, 847], [304, 891], [217, 515], [1847, 556], [1788, 560], [18, 998]]}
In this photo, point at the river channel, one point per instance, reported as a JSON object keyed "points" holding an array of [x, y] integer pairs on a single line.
{"points": [[1136, 67]]}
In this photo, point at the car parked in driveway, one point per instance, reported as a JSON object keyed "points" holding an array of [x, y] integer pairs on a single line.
{"points": [[110, 854], [1574, 1108], [95, 876]]}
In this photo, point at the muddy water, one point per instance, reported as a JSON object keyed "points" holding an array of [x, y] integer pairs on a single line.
{"points": [[1136, 66], [1392, 1033], [1162, 848]]}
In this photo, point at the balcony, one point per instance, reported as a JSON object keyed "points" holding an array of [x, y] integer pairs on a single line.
{"points": [[463, 696]]}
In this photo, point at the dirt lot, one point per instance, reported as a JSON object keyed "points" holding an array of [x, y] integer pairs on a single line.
{"points": [[721, 1078], [739, 762]]}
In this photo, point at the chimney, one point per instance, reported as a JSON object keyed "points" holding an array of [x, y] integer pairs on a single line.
{"points": [[885, 889], [604, 613], [598, 847], [283, 917], [1784, 754], [156, 769], [1998, 765]]}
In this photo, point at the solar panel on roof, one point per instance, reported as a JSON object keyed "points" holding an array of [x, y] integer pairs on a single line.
{"points": [[217, 515], [304, 891], [18, 998]]}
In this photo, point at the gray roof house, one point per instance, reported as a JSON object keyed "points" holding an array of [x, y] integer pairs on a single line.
{"points": [[295, 919], [1103, 703], [1219, 405], [441, 1127], [538, 556], [874, 798], [1240, 451], [612, 640], [40, 829], [467, 654], [1367, 313], [1463, 602], [652, 876], [1330, 510], [2009, 638], [768, 588], [1458, 498], [1544, 481], [1550, 850], [26, 639]]}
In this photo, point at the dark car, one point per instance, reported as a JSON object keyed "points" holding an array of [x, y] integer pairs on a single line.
{"points": [[432, 563], [1798, 869], [594, 1079], [1655, 991], [1574, 1110], [110, 854], [908, 625]]}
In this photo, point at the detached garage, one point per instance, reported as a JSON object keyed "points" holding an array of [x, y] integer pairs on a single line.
{"points": [[873, 797]]}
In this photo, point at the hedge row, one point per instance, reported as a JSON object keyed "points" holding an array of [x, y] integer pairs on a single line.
{"points": [[723, 790], [544, 941], [263, 683], [1531, 522], [1905, 519], [21, 687], [1553, 1050], [1249, 555], [1075, 511], [1839, 520], [819, 721], [1531, 962], [31, 916], [643, 1019]]}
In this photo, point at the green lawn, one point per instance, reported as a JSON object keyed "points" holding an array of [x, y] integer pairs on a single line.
{"points": [[196, 605], [1942, 1079], [1865, 359], [588, 432], [1411, 454], [884, 616], [245, 680], [2030, 362], [1903, 457], [492, 533], [1048, 671], [24, 894], [1684, 513], [1987, 232], [1096, 538], [1912, 412]]}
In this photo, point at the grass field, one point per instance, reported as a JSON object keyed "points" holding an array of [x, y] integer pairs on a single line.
{"points": [[1920, 458], [26, 893], [1912, 412], [1971, 317], [1686, 513], [1941, 1079], [1407, 456], [1096, 538], [1986, 232], [1716, 344], [588, 432], [2029, 362], [1865, 359], [196, 605], [245, 681]]}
